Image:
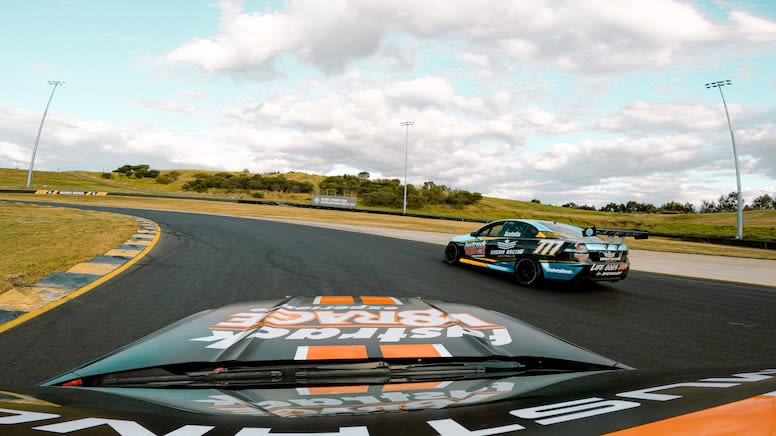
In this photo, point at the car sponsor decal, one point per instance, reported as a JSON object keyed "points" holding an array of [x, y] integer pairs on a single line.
{"points": [[560, 271], [548, 247], [563, 271], [505, 249], [506, 245], [474, 248], [549, 414], [506, 253], [350, 323], [514, 234], [610, 269]]}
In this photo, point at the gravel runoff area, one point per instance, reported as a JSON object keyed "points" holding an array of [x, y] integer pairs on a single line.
{"points": [[733, 269]]}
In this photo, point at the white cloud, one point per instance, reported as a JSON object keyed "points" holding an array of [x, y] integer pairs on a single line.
{"points": [[576, 36], [11, 155], [582, 101], [245, 40], [752, 28], [425, 91], [640, 115]]}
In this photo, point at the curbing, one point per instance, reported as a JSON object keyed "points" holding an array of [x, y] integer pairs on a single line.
{"points": [[20, 305]]}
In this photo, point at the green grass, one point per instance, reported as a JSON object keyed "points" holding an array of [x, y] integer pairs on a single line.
{"points": [[17, 179], [39, 240]]}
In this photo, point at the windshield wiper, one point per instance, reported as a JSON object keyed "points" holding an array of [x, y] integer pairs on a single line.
{"points": [[379, 372]]}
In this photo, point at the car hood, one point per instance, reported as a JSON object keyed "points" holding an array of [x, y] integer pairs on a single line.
{"points": [[349, 329]]}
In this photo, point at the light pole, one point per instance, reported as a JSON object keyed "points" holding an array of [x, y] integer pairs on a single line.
{"points": [[40, 128], [407, 125], [719, 84]]}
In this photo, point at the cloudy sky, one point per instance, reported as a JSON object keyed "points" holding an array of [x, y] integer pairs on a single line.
{"points": [[589, 101]]}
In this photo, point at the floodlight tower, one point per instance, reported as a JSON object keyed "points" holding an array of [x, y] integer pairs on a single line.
{"points": [[740, 200], [40, 128]]}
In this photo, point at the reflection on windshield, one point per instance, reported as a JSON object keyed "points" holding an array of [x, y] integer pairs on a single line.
{"points": [[344, 400]]}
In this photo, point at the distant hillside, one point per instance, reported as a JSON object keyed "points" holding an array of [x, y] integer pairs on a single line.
{"points": [[759, 224]]}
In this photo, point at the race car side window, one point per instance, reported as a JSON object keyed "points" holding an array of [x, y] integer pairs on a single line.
{"points": [[492, 230], [496, 229], [526, 230]]}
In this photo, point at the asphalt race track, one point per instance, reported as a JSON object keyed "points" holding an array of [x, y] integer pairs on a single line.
{"points": [[202, 261]]}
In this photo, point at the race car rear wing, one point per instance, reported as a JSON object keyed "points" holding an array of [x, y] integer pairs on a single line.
{"points": [[594, 231]]}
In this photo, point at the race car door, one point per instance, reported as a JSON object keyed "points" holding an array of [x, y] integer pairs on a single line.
{"points": [[477, 247], [508, 242]]}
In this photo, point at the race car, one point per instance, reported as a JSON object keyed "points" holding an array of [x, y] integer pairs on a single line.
{"points": [[378, 365], [534, 250]]}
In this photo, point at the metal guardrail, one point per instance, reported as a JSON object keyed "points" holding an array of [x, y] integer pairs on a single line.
{"points": [[748, 243]]}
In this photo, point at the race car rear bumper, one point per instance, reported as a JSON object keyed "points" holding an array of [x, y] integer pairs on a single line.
{"points": [[596, 271]]}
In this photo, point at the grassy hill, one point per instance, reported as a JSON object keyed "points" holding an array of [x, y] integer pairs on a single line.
{"points": [[758, 225]]}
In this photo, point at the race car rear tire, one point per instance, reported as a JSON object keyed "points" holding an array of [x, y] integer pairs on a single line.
{"points": [[527, 271], [452, 253]]}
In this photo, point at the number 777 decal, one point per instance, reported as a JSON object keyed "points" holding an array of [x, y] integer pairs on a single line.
{"points": [[548, 247]]}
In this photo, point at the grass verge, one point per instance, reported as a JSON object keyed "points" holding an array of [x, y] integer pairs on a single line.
{"points": [[40, 240]]}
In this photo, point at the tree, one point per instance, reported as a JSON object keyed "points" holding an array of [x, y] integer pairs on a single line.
{"points": [[764, 202], [673, 206], [138, 171], [632, 206], [728, 204], [707, 207], [573, 205], [613, 207], [434, 194], [363, 175], [459, 198]]}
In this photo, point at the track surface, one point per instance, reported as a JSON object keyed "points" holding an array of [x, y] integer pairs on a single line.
{"points": [[202, 261]]}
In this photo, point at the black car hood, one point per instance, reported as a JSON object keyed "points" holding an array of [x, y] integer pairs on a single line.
{"points": [[344, 328]]}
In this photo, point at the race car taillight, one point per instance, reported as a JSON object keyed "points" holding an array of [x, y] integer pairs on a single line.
{"points": [[577, 251], [76, 382]]}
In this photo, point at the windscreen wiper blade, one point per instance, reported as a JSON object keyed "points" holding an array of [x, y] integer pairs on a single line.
{"points": [[336, 374]]}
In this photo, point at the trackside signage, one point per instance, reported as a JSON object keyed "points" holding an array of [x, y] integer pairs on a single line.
{"points": [[334, 201]]}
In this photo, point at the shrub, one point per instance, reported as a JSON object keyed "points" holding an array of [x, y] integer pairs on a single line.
{"points": [[164, 180]]}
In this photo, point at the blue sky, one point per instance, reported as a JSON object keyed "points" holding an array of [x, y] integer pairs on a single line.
{"points": [[583, 101]]}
